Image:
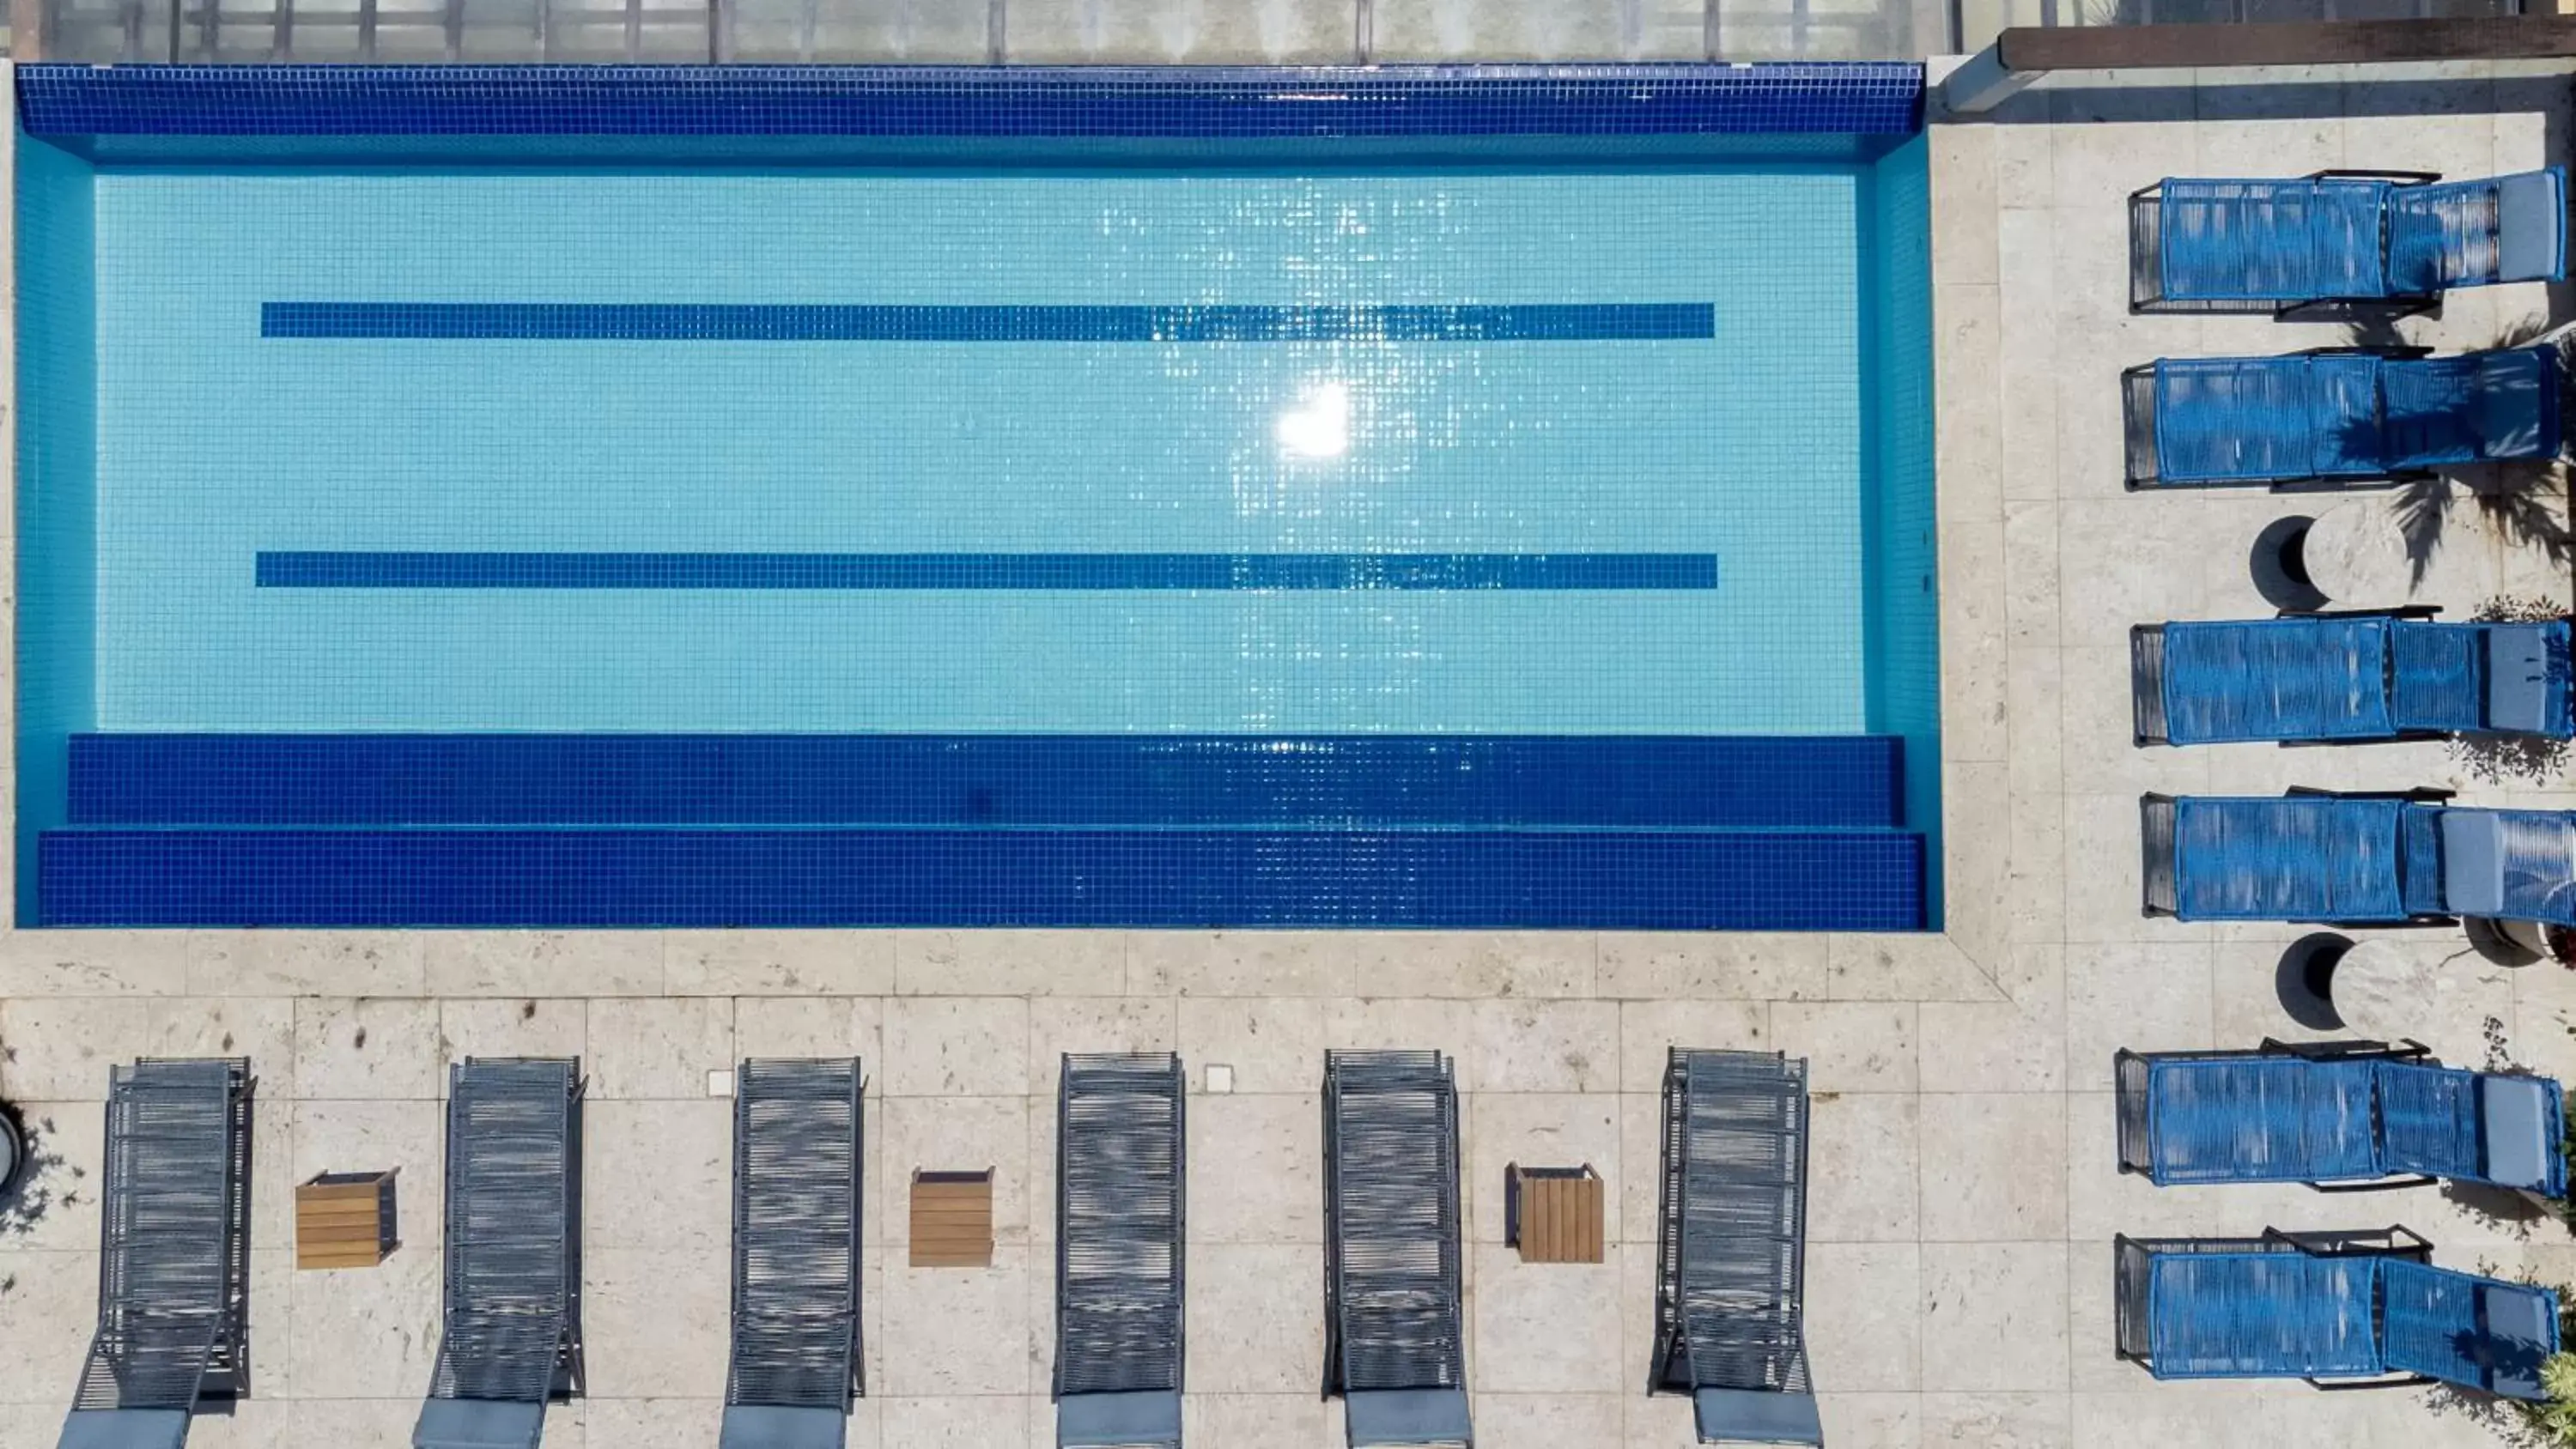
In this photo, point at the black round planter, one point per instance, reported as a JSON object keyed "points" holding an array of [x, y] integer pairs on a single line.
{"points": [[2304, 980], [13, 1149], [2488, 939], [2280, 566]]}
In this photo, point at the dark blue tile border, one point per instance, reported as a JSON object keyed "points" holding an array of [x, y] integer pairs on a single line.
{"points": [[1857, 98], [287, 569], [814, 322], [1455, 879], [986, 780]]}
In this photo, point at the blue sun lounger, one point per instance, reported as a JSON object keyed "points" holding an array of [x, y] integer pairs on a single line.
{"points": [[2335, 415], [2340, 1116], [2341, 1310], [2330, 678], [2355, 859], [2389, 241]]}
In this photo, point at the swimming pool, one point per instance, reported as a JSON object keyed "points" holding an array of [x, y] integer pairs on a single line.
{"points": [[1484, 497]]}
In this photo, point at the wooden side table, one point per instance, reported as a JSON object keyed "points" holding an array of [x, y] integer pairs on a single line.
{"points": [[952, 1219], [1553, 1214], [345, 1220]]}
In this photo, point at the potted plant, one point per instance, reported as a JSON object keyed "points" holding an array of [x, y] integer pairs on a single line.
{"points": [[2553, 1421], [2507, 943], [2502, 759]]}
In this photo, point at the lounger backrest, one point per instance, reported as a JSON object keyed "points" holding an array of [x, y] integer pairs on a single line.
{"points": [[2514, 403], [1392, 1272], [2428, 1119], [2508, 678], [2436, 675], [2472, 233], [795, 1234], [2481, 1333], [2478, 1126], [2531, 226], [1119, 1205], [2429, 412], [2515, 864], [173, 1246], [1741, 1258], [2526, 689]]}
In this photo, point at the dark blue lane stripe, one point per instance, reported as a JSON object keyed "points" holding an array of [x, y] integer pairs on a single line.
{"points": [[1672, 880], [288, 569], [697, 322], [393, 779]]}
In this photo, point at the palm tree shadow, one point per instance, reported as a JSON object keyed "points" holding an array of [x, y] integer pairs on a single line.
{"points": [[2514, 500], [2514, 1214], [2521, 500]]}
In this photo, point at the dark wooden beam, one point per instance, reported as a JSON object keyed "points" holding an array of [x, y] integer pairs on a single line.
{"points": [[2331, 42]]}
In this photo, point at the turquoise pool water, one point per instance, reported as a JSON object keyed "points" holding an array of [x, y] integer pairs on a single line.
{"points": [[217, 443], [378, 450]]}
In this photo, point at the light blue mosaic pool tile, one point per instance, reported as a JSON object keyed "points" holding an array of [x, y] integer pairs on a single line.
{"points": [[1743, 446]]}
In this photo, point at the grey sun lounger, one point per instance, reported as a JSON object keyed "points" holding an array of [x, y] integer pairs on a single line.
{"points": [[1394, 1347], [796, 1365], [1120, 1232], [174, 1255], [510, 1318], [1731, 1250]]}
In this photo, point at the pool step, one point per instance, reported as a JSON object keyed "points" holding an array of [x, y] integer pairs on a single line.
{"points": [[1623, 781], [1608, 879]]}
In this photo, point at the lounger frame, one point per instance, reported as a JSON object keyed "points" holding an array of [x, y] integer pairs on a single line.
{"points": [[1121, 1202], [1394, 1309], [2146, 266], [1738, 1227], [2140, 471], [2129, 1075], [2132, 1260], [2147, 680], [799, 1168], [173, 1325], [484, 1354], [2160, 884], [2147, 685]]}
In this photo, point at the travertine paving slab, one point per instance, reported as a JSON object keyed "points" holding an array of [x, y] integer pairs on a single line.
{"points": [[1994, 1316], [369, 1047], [658, 1048]]}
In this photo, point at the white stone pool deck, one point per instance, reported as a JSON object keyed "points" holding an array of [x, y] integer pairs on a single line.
{"points": [[1964, 1195]]}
